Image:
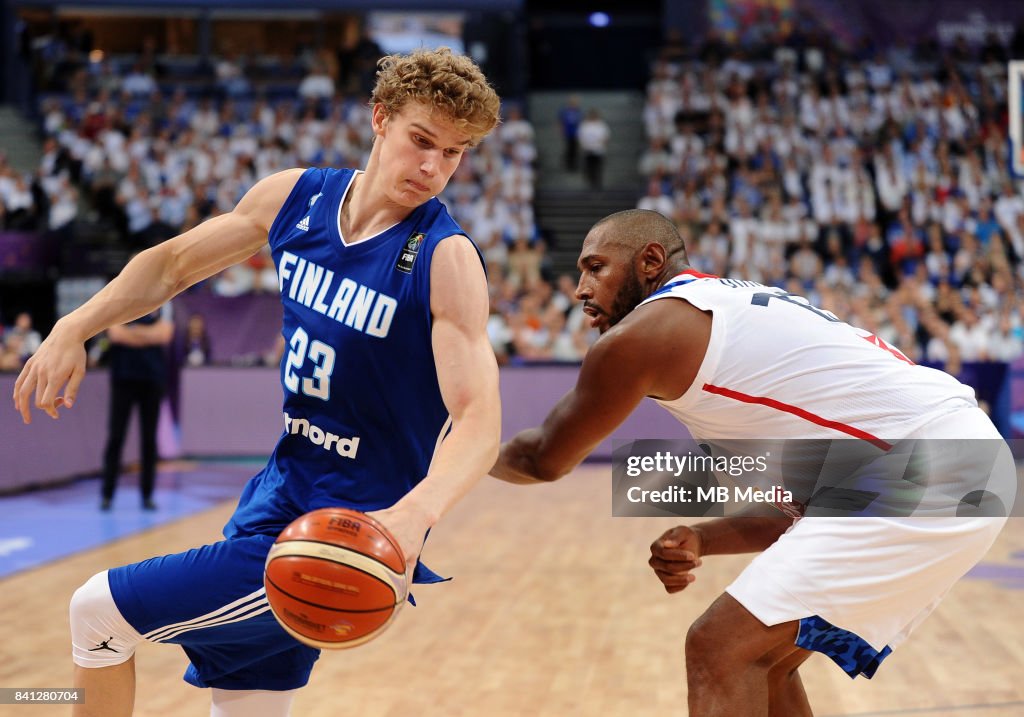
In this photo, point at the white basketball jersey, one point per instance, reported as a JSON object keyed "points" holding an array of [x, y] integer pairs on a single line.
{"points": [[778, 367]]}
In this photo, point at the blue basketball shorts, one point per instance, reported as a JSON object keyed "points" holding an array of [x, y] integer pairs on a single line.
{"points": [[211, 601]]}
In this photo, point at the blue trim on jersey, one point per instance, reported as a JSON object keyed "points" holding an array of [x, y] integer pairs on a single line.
{"points": [[849, 651], [667, 288]]}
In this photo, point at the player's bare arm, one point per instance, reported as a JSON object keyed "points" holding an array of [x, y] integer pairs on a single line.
{"points": [[635, 359], [467, 374], [147, 282]]}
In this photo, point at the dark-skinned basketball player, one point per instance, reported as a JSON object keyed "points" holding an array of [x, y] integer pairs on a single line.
{"points": [[733, 359]]}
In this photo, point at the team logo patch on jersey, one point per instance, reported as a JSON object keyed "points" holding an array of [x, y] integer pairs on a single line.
{"points": [[407, 257], [303, 225]]}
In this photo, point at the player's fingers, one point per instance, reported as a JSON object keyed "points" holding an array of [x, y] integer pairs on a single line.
{"points": [[410, 570], [26, 369], [682, 554], [671, 538], [71, 390], [46, 394], [675, 581], [22, 391], [674, 566]]}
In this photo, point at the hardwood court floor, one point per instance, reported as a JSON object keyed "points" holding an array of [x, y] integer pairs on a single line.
{"points": [[553, 612]]}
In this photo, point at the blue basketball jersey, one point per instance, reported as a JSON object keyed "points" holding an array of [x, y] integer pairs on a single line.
{"points": [[363, 413]]}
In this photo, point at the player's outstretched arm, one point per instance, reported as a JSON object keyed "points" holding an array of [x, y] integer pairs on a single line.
{"points": [[467, 374], [639, 357], [147, 282]]}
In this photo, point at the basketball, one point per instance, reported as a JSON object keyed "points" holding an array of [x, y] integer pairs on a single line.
{"points": [[335, 578]]}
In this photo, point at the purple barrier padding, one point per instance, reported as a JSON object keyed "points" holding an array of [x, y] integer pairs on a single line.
{"points": [[237, 411], [529, 393], [48, 450], [237, 326], [226, 411], [1017, 398]]}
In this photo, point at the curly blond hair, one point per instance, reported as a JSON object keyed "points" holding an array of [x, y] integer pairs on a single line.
{"points": [[447, 82]]}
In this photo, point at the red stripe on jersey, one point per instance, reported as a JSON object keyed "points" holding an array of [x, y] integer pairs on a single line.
{"points": [[696, 274], [876, 341], [799, 412]]}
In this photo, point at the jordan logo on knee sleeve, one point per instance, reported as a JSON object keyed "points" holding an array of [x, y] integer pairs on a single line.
{"points": [[103, 645]]}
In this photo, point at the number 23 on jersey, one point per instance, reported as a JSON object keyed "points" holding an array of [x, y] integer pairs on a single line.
{"points": [[320, 355]]}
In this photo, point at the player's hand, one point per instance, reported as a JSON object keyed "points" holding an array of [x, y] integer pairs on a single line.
{"points": [[408, 527], [60, 360], [674, 555]]}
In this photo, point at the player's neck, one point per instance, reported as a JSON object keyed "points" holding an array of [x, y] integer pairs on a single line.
{"points": [[367, 211], [670, 272]]}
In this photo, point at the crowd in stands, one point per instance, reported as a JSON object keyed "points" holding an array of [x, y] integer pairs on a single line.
{"points": [[146, 159], [17, 342], [875, 183]]}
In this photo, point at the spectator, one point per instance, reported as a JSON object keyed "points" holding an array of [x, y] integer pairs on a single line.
{"points": [[19, 342], [514, 128], [18, 204], [569, 118], [318, 84], [524, 260], [139, 82], [1006, 343], [230, 72], [655, 200], [196, 342], [594, 135], [971, 336]]}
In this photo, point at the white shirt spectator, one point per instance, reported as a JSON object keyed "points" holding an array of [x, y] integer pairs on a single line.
{"points": [[891, 185], [316, 85], [18, 196], [972, 338], [594, 135], [139, 213], [744, 232], [1005, 346], [660, 203], [63, 204], [205, 121], [657, 160], [1007, 209], [515, 128]]}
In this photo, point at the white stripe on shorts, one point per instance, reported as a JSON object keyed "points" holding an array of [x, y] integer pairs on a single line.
{"points": [[259, 597], [238, 616]]}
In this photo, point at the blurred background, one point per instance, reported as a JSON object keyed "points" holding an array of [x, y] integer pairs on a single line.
{"points": [[860, 154]]}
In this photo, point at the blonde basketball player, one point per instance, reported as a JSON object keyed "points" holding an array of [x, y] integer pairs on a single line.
{"points": [[391, 400]]}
